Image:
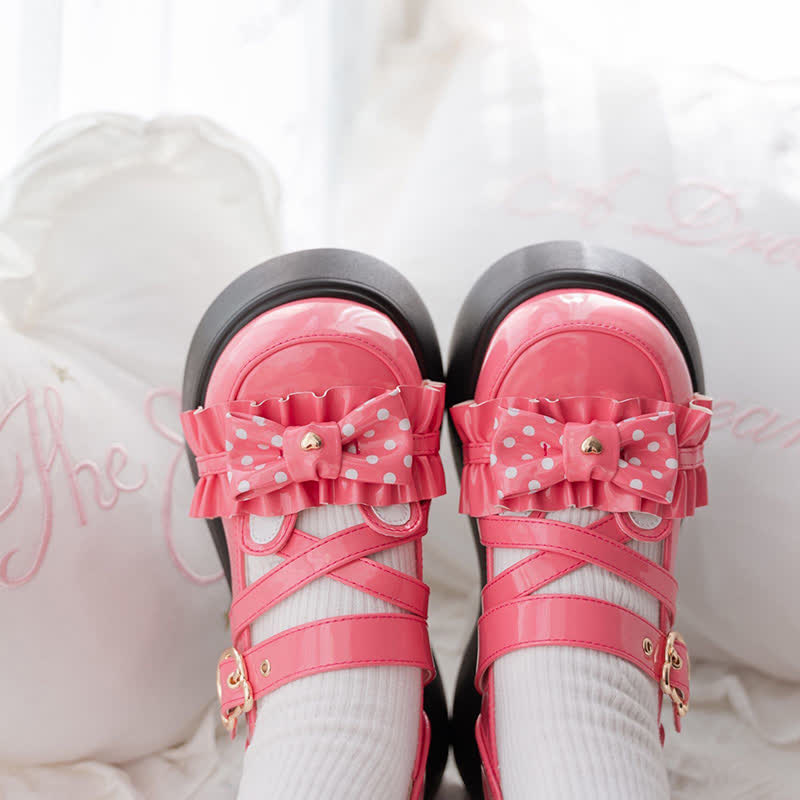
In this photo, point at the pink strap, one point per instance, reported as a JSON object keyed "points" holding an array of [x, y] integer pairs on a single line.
{"points": [[338, 643], [562, 548], [319, 558], [582, 545], [424, 739], [247, 673], [385, 583], [514, 617], [577, 622]]}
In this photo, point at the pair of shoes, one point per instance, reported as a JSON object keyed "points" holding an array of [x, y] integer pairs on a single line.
{"points": [[575, 380]]}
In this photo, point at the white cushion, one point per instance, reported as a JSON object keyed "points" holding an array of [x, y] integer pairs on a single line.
{"points": [[115, 236], [694, 171]]}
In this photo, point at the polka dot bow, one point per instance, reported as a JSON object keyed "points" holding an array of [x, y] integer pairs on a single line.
{"points": [[372, 444], [530, 452]]}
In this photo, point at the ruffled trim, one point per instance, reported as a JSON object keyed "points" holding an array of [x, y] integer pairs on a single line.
{"points": [[475, 423], [204, 430]]}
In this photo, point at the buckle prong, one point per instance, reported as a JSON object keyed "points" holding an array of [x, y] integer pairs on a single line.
{"points": [[235, 679], [672, 660]]}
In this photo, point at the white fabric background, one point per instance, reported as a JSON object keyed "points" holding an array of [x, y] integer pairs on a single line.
{"points": [[440, 136], [115, 236]]}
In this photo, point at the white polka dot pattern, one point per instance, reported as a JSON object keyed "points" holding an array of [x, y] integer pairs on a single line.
{"points": [[374, 443], [345, 445], [598, 446], [640, 457]]}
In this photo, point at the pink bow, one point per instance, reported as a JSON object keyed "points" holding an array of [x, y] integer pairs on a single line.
{"points": [[530, 452], [371, 444]]}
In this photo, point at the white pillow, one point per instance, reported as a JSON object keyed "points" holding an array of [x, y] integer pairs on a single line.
{"points": [[115, 234], [694, 171]]}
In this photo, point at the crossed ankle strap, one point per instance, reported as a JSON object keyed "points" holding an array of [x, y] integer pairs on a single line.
{"points": [[514, 617], [247, 673]]}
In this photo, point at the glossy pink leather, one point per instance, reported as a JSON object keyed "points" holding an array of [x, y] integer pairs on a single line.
{"points": [[525, 453], [561, 367], [377, 447], [312, 345], [567, 344], [302, 368]]}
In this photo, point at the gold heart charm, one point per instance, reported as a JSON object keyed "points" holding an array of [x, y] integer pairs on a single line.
{"points": [[311, 441], [592, 446]]}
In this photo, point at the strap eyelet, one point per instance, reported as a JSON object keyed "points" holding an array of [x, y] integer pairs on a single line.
{"points": [[627, 524]]}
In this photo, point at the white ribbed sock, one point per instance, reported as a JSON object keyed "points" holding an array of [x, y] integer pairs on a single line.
{"points": [[343, 734], [574, 723]]}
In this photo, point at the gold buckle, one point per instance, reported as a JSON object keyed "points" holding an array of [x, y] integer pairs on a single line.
{"points": [[672, 660], [236, 678]]}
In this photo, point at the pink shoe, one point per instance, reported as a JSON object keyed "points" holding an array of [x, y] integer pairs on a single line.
{"points": [[310, 381], [573, 381]]}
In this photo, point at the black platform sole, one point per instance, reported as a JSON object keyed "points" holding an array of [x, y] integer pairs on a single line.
{"points": [[512, 280], [335, 273]]}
